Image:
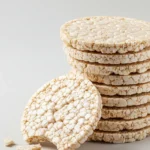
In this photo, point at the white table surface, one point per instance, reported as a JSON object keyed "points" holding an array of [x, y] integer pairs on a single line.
{"points": [[31, 54]]}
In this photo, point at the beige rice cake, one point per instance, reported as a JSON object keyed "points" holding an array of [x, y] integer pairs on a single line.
{"points": [[106, 34], [65, 111], [131, 112], [120, 124], [120, 137], [29, 147], [120, 80], [96, 57], [115, 89], [125, 101], [101, 69], [123, 90]]}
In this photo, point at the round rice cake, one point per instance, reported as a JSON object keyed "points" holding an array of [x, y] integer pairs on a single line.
{"points": [[120, 80], [125, 101], [101, 69], [106, 34], [65, 111], [96, 57], [115, 89], [120, 137], [120, 124], [123, 90], [126, 113]]}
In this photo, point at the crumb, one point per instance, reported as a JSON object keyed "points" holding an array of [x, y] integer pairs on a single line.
{"points": [[29, 147], [9, 142]]}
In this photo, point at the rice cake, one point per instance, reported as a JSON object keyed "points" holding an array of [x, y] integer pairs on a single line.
{"points": [[123, 90], [65, 111], [125, 101], [120, 124], [106, 34], [120, 137], [119, 80], [131, 112], [100, 69], [97, 57], [115, 90]]}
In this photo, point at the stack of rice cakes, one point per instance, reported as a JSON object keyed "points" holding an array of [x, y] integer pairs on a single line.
{"points": [[114, 53]]}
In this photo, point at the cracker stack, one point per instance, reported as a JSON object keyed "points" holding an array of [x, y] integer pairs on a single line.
{"points": [[114, 53]]}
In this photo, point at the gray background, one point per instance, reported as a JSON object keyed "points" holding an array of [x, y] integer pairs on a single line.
{"points": [[31, 53]]}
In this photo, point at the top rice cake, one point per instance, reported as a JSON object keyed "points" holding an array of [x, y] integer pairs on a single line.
{"points": [[106, 34]]}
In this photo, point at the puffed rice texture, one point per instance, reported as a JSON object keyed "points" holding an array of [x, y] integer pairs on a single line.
{"points": [[120, 124], [106, 34], [99, 69], [131, 112], [115, 89], [126, 101], [120, 80], [97, 57], [120, 137], [65, 111], [123, 90]]}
